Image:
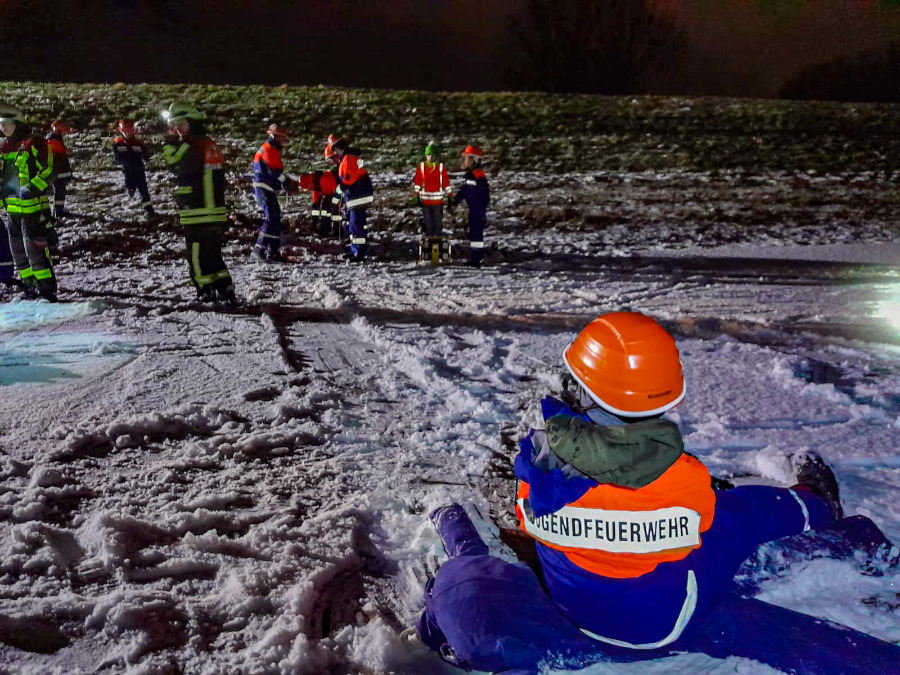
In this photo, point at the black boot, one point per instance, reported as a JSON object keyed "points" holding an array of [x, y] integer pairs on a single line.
{"points": [[226, 294], [815, 474]]}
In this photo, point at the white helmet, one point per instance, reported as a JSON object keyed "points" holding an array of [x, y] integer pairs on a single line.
{"points": [[9, 113], [182, 110]]}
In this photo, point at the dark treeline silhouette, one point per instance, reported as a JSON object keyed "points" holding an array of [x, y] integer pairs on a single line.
{"points": [[598, 46], [873, 76]]}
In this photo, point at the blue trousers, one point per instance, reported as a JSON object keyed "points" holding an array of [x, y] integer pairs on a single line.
{"points": [[356, 233], [645, 609], [136, 179], [270, 233], [477, 220]]}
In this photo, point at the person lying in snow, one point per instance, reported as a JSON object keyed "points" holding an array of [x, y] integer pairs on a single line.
{"points": [[634, 543]]}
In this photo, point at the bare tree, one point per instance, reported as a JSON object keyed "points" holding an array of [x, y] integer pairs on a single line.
{"points": [[602, 46]]}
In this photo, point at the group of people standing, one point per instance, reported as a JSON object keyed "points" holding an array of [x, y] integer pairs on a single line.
{"points": [[34, 168]]}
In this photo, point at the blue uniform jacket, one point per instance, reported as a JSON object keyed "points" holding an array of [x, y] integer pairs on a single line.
{"points": [[638, 611], [355, 186], [475, 191], [268, 170]]}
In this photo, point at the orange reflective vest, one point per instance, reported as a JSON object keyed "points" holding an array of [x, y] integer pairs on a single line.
{"points": [[432, 184], [623, 533]]}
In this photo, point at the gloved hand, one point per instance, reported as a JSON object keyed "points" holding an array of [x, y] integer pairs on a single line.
{"points": [[25, 192]]}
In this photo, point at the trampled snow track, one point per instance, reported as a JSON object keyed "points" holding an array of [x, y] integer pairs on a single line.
{"points": [[209, 489]]}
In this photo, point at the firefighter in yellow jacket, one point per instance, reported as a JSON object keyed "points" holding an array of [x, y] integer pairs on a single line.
{"points": [[25, 179], [199, 169]]}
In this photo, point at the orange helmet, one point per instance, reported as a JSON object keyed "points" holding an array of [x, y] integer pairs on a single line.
{"points": [[474, 151], [628, 364], [277, 132], [126, 126], [332, 139], [60, 127]]}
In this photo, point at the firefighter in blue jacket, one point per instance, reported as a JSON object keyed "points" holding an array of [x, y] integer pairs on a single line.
{"points": [[130, 152], [268, 179], [635, 542], [477, 195], [356, 193]]}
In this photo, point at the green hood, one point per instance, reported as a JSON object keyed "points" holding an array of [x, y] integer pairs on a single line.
{"points": [[631, 455]]}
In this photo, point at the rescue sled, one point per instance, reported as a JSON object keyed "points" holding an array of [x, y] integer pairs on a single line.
{"points": [[483, 613]]}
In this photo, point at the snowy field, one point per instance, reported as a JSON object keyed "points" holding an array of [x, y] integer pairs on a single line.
{"points": [[193, 489]]}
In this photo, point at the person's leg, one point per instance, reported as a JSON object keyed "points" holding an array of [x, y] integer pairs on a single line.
{"points": [[130, 182], [746, 517], [141, 184], [426, 220], [358, 237], [7, 266], [273, 227], [37, 242], [59, 197], [16, 227], [476, 237], [438, 220], [269, 239]]}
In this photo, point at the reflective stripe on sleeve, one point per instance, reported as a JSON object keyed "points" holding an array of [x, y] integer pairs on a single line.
{"points": [[171, 155], [264, 186], [358, 240], [476, 244]]}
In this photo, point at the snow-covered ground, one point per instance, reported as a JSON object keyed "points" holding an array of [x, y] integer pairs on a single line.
{"points": [[202, 490]]}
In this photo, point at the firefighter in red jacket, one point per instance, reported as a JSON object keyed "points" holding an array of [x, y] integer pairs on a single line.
{"points": [[432, 186], [62, 167]]}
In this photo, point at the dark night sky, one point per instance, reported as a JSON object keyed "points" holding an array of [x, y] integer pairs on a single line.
{"points": [[738, 47]]}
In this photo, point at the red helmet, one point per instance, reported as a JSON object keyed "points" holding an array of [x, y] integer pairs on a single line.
{"points": [[332, 139], [60, 127], [628, 364], [277, 132], [474, 151], [126, 126]]}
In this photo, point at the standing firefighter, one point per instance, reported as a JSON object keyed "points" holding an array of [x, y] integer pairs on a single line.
{"points": [[26, 175], [432, 186], [268, 179], [62, 166], [476, 194], [199, 171], [130, 152], [356, 193]]}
